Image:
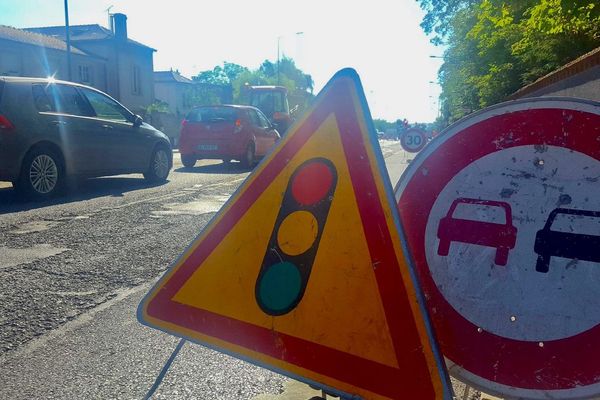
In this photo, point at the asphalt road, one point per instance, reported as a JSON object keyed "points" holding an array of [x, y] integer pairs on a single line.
{"points": [[72, 272]]}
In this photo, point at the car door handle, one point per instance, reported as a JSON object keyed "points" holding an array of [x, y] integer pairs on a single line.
{"points": [[107, 127], [58, 123]]}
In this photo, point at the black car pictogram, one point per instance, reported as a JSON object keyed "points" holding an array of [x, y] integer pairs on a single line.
{"points": [[549, 243]]}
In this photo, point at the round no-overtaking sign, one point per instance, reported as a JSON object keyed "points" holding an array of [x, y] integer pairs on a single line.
{"points": [[502, 217]]}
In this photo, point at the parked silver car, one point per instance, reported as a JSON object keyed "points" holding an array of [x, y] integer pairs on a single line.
{"points": [[51, 130]]}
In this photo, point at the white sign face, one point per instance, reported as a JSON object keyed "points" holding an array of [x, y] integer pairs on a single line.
{"points": [[413, 140], [502, 217], [535, 306]]}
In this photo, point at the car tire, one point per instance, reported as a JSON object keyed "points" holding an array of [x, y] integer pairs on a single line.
{"points": [[159, 167], [188, 161], [248, 157], [543, 264], [444, 248], [42, 174], [501, 256]]}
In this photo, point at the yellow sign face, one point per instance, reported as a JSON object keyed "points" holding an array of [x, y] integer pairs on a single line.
{"points": [[303, 270]]}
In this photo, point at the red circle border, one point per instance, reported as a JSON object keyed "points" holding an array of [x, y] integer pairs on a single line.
{"points": [[423, 141], [559, 364]]}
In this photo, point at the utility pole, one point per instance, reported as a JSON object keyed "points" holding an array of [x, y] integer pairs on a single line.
{"points": [[68, 36]]}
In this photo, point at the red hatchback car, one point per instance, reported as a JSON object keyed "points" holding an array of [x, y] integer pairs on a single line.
{"points": [[226, 132]]}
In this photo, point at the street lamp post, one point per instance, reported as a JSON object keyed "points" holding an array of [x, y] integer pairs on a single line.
{"points": [[68, 41]]}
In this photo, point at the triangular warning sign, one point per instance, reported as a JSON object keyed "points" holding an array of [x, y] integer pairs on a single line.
{"points": [[303, 270]]}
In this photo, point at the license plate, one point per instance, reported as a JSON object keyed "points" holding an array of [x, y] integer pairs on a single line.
{"points": [[207, 147]]}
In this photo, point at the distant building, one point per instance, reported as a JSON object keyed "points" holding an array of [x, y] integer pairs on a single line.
{"points": [[32, 54], [174, 89], [129, 64], [104, 58], [579, 78]]}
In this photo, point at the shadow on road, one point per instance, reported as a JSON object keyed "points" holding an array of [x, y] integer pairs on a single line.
{"points": [[81, 190], [222, 168]]}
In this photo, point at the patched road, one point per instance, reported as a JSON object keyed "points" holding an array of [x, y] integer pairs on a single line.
{"points": [[72, 272]]}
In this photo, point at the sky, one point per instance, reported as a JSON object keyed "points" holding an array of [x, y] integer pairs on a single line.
{"points": [[381, 39]]}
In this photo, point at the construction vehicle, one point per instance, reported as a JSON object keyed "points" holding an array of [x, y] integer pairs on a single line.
{"points": [[273, 102]]}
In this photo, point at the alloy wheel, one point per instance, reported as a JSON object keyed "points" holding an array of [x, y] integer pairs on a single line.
{"points": [[43, 174], [161, 164]]}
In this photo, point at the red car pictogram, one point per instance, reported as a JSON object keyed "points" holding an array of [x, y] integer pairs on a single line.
{"points": [[501, 236]]}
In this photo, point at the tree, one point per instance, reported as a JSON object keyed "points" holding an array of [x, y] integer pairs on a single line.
{"points": [[298, 83], [495, 47], [439, 15], [233, 77], [220, 75], [382, 125]]}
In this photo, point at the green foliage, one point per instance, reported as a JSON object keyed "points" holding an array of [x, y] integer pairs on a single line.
{"points": [[382, 125], [495, 47], [157, 106], [220, 75], [439, 15], [235, 77], [202, 95]]}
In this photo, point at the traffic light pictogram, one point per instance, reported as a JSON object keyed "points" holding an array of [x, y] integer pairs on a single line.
{"points": [[295, 238]]}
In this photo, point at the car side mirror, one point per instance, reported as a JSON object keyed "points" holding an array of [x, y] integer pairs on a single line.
{"points": [[137, 121]]}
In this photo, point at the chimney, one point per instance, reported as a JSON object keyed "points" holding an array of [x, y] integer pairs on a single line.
{"points": [[120, 26]]}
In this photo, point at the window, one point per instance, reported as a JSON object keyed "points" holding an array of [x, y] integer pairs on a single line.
{"points": [[269, 102], [42, 100], [264, 123], [253, 117], [137, 80], [10, 63], [63, 99], [212, 115], [106, 108], [258, 119], [84, 74]]}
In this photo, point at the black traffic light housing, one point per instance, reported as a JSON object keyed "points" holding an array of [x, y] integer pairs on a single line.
{"points": [[284, 272]]}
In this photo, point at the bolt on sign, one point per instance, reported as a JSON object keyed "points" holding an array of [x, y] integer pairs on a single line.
{"points": [[303, 270], [502, 217]]}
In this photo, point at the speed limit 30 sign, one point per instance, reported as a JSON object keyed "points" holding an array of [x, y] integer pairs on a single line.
{"points": [[413, 140], [502, 217]]}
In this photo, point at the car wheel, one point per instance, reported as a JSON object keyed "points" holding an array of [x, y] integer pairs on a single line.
{"points": [[501, 256], [248, 159], [158, 169], [444, 248], [543, 264], [188, 161], [42, 174]]}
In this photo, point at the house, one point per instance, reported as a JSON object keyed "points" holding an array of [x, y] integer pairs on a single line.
{"points": [[174, 89], [32, 54], [103, 58], [579, 78]]}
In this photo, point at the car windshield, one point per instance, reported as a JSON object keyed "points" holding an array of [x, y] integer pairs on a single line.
{"points": [[574, 223], [269, 102], [478, 212], [212, 115]]}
